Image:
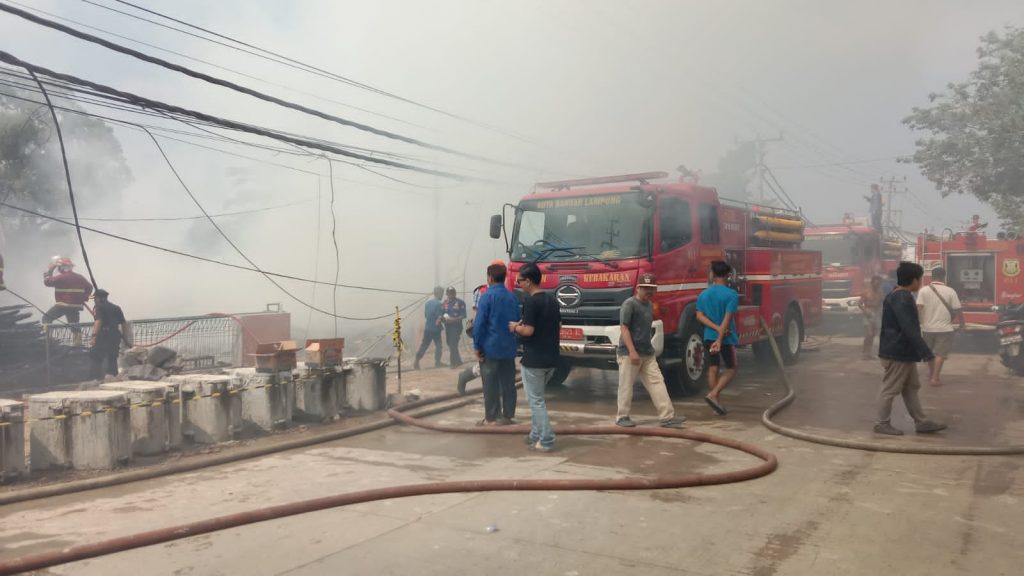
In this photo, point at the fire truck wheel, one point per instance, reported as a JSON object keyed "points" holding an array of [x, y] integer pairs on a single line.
{"points": [[792, 340], [690, 376], [763, 353], [561, 374]]}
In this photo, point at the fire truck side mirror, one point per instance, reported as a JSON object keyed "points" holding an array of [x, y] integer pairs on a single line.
{"points": [[496, 226]]}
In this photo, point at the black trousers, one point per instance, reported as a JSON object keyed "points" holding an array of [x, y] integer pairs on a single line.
{"points": [[428, 339], [71, 313], [103, 356], [499, 376], [453, 335]]}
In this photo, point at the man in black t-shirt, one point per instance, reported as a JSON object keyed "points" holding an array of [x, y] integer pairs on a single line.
{"points": [[107, 335], [539, 333]]}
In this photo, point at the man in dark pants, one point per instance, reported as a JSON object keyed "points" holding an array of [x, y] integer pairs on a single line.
{"points": [[454, 312], [431, 329], [107, 335], [496, 347]]}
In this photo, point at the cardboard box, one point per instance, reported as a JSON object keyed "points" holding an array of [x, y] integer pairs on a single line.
{"points": [[276, 356], [324, 352]]}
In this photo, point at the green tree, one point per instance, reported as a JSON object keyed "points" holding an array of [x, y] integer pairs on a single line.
{"points": [[32, 171], [974, 131]]}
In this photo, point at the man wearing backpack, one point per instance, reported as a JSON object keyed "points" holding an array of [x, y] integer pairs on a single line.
{"points": [[938, 306]]}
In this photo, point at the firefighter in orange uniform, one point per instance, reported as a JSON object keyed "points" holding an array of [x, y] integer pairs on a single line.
{"points": [[70, 292]]}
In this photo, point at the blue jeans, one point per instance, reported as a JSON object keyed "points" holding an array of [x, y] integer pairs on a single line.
{"points": [[534, 381]]}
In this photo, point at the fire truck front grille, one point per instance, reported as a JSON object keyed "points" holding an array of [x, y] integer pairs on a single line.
{"points": [[836, 288]]}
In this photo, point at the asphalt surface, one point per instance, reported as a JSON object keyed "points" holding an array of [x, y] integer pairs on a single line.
{"points": [[825, 511]]}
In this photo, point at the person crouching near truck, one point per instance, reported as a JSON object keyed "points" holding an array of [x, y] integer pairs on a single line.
{"points": [[635, 356], [900, 348], [539, 333], [716, 310]]}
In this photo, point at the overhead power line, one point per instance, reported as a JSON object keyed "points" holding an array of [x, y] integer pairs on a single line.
{"points": [[201, 258], [234, 125], [236, 87], [281, 59], [245, 256], [213, 65], [67, 175]]}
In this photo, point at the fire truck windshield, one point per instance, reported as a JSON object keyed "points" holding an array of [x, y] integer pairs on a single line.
{"points": [[838, 249], [604, 227]]}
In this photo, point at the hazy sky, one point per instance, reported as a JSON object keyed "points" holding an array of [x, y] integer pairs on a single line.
{"points": [[595, 87]]}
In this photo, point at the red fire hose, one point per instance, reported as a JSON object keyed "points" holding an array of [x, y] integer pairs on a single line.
{"points": [[767, 466]]}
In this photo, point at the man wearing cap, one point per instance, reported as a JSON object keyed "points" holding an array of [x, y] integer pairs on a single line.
{"points": [[635, 356], [453, 312], [107, 334]]}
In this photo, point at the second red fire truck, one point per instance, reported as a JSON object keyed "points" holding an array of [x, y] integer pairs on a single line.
{"points": [[593, 237]]}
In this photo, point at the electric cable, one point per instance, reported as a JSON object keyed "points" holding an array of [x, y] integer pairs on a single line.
{"points": [[214, 65], [203, 258], [223, 122], [67, 175], [238, 87], [302, 66], [334, 239], [243, 254]]}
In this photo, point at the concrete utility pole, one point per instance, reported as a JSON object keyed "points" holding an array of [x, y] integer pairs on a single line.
{"points": [[437, 234], [759, 153], [893, 223]]}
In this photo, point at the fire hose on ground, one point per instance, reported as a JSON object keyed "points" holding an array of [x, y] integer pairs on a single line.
{"points": [[768, 464], [905, 448]]}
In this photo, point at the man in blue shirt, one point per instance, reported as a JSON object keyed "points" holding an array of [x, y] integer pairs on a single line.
{"points": [[716, 310], [432, 313], [496, 347], [454, 311]]}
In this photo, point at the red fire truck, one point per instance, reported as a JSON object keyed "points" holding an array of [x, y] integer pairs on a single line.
{"points": [[593, 237], [985, 272], [851, 254]]}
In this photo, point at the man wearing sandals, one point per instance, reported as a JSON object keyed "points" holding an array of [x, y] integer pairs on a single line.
{"points": [[716, 310], [635, 356], [496, 348]]}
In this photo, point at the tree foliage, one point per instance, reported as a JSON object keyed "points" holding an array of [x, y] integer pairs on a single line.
{"points": [[974, 142], [31, 168]]}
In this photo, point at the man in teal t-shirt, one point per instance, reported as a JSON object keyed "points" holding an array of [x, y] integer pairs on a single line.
{"points": [[716, 310]]}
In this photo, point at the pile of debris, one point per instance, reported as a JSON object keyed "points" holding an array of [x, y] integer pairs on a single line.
{"points": [[154, 363], [24, 356]]}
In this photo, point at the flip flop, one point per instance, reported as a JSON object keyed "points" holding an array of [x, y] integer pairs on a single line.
{"points": [[718, 408]]}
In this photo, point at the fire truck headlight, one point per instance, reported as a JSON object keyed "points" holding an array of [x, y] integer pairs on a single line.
{"points": [[995, 308], [852, 302]]}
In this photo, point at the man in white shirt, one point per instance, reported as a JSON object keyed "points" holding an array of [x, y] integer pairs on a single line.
{"points": [[938, 305]]}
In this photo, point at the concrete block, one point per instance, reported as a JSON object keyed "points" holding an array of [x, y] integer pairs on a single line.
{"points": [[268, 400], [366, 384], [155, 415], [212, 406], [316, 397], [92, 429], [12, 439]]}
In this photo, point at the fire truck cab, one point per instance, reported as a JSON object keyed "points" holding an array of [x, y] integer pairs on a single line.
{"points": [[851, 253], [985, 272], [592, 238]]}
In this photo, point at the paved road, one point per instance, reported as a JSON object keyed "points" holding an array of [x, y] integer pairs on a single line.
{"points": [[825, 511]]}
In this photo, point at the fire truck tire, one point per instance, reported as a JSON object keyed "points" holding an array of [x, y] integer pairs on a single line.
{"points": [[561, 374], [763, 353], [690, 376], [792, 340]]}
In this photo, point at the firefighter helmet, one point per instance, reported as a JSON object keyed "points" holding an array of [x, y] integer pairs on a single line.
{"points": [[61, 262]]}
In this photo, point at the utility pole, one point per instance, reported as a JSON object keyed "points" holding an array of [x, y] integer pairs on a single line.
{"points": [[759, 154], [892, 223], [437, 234]]}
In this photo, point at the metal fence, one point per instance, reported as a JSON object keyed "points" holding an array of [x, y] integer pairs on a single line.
{"points": [[203, 341]]}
